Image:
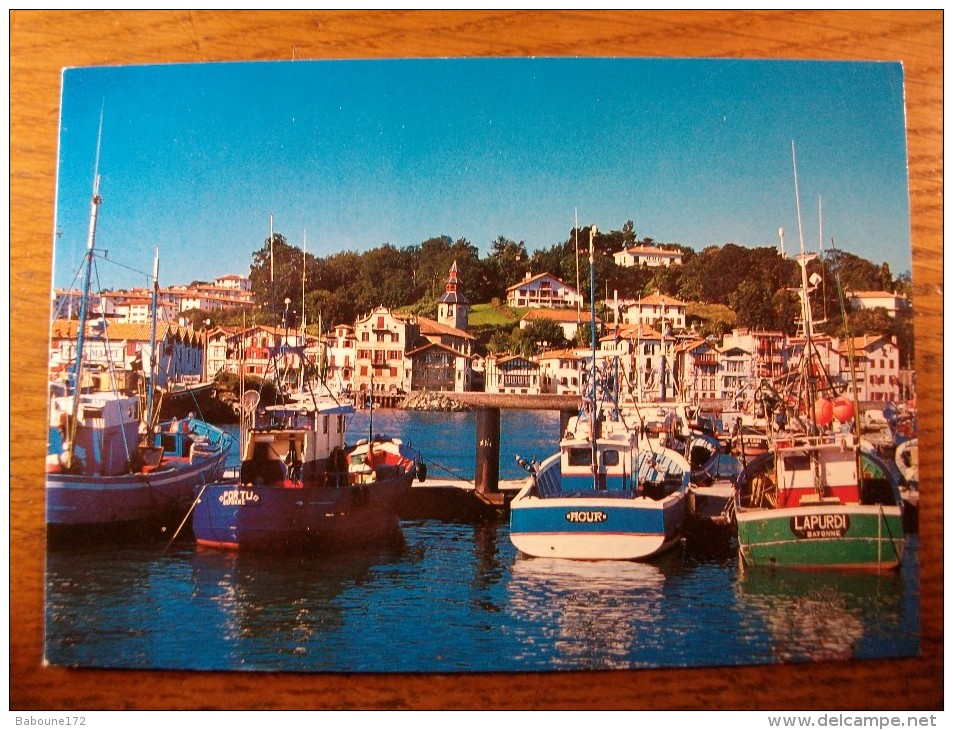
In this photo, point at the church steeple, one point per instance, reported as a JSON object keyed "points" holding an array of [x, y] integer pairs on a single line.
{"points": [[453, 309]]}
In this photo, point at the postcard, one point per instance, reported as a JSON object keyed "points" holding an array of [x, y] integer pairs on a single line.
{"points": [[481, 365]]}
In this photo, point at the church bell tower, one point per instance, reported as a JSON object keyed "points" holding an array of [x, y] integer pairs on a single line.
{"points": [[453, 309]]}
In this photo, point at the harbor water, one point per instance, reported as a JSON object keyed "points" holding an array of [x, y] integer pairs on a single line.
{"points": [[454, 596]]}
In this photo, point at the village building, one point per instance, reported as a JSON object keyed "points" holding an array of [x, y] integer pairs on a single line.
{"points": [[645, 255], [736, 379], [122, 348], [875, 374], [67, 302], [696, 370], [511, 374], [569, 320], [894, 304], [648, 364], [560, 371], [827, 363], [340, 347], [259, 350], [767, 348], [233, 282], [453, 309], [437, 367], [657, 310], [543, 290], [210, 300], [382, 340], [442, 358]]}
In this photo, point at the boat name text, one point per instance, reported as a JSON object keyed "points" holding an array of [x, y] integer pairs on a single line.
{"points": [[590, 516], [820, 526], [238, 498]]}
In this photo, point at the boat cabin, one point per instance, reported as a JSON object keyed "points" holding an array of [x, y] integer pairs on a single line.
{"points": [[817, 472], [621, 469], [103, 433], [294, 446]]}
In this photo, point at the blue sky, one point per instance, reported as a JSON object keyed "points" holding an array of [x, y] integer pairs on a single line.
{"points": [[350, 155]]}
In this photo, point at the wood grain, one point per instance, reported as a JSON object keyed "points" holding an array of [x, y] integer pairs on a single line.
{"points": [[43, 42]]}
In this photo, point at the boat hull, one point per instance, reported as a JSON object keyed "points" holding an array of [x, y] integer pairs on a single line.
{"points": [[234, 516], [183, 401], [596, 529], [90, 503], [76, 502], [863, 537]]}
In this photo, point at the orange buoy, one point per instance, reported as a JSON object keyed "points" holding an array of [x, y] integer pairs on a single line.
{"points": [[843, 409], [823, 411]]}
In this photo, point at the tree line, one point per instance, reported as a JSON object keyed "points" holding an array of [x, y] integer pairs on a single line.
{"points": [[756, 284]]}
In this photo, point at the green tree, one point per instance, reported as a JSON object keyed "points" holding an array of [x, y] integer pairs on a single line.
{"points": [[544, 334], [752, 301]]}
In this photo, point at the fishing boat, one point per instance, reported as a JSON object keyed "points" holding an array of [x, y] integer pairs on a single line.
{"points": [[301, 488], [114, 468], [181, 397], [806, 503], [602, 496]]}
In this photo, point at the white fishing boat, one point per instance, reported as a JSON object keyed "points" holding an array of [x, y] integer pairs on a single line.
{"points": [[602, 496], [116, 469]]}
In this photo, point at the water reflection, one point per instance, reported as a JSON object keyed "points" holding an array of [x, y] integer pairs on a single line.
{"points": [[821, 615], [271, 611], [593, 615]]}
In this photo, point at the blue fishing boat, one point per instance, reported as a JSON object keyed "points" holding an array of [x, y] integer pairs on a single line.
{"points": [[116, 469], [606, 494], [301, 488]]}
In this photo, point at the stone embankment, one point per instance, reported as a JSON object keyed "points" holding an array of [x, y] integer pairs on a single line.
{"points": [[425, 400]]}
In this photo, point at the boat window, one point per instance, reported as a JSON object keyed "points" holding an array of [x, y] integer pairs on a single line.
{"points": [[324, 424], [340, 424], [797, 462], [580, 457], [610, 458]]}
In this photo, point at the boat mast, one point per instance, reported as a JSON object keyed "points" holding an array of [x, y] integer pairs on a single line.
{"points": [[153, 361], [84, 302], [303, 324], [803, 260], [593, 415], [578, 288]]}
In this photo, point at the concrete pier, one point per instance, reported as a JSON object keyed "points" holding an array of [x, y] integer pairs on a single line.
{"points": [[486, 491]]}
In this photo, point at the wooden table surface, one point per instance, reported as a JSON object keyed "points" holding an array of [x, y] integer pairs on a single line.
{"points": [[43, 42]]}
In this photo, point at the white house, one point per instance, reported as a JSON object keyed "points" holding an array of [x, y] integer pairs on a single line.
{"points": [[768, 349], [645, 255], [560, 371], [893, 303], [542, 290], [876, 367], [657, 310], [341, 348], [567, 319], [511, 374], [125, 346], [383, 339], [696, 369], [234, 282]]}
